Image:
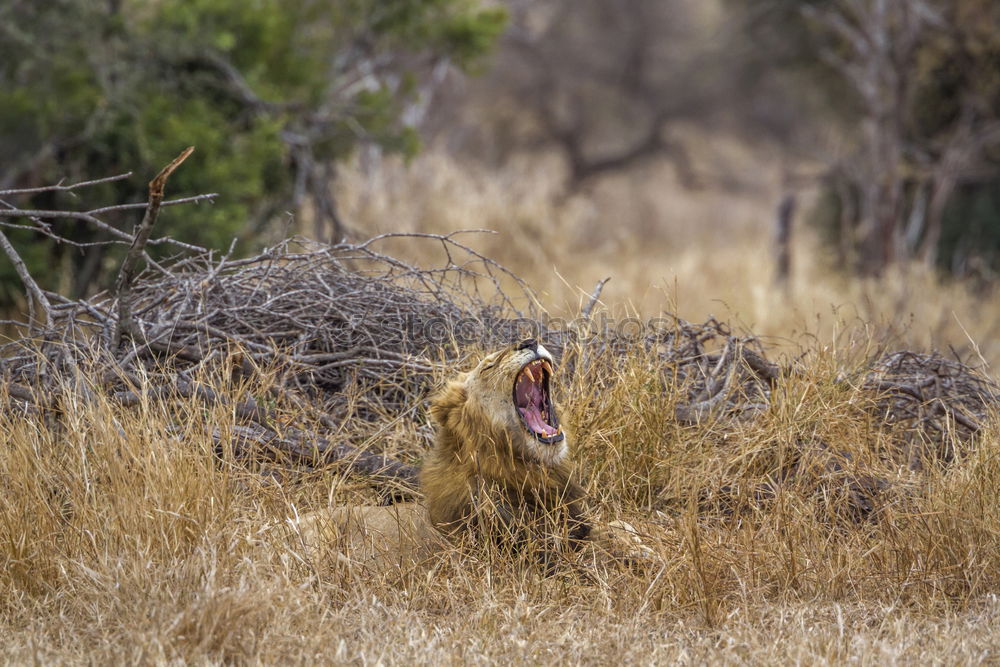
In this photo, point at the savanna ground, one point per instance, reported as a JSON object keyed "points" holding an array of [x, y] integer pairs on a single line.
{"points": [[126, 541]]}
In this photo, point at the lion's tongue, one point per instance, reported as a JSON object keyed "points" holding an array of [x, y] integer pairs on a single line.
{"points": [[531, 400], [533, 417]]}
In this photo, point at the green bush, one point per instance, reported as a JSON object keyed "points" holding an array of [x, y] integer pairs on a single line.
{"points": [[264, 89]]}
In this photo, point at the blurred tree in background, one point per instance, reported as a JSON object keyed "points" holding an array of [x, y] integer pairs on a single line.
{"points": [[610, 85], [898, 100], [916, 86], [272, 92], [603, 83]]}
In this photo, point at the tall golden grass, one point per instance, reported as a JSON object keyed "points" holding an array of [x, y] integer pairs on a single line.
{"points": [[125, 537]]}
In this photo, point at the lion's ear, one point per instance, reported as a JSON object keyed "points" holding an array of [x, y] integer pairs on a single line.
{"points": [[449, 399]]}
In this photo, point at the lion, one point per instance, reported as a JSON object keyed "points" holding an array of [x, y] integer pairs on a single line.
{"points": [[499, 470], [501, 454]]}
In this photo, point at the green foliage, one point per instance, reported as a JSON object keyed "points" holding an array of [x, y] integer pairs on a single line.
{"points": [[955, 67], [970, 234], [265, 90]]}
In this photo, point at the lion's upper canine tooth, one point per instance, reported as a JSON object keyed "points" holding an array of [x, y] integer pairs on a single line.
{"points": [[527, 371]]}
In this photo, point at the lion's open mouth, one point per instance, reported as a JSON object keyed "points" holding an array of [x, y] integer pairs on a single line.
{"points": [[534, 402]]}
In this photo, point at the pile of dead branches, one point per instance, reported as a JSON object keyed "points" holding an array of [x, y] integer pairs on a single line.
{"points": [[932, 402], [334, 320], [328, 315], [350, 330], [722, 375]]}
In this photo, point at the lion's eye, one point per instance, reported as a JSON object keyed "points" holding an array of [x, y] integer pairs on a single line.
{"points": [[490, 364]]}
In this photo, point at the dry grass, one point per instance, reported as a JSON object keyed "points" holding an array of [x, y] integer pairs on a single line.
{"points": [[670, 249], [123, 541]]}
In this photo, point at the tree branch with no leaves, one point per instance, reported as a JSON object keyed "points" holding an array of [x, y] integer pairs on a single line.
{"points": [[123, 285], [35, 294]]}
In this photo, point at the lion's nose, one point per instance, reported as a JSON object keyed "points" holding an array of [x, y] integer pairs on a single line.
{"points": [[528, 344]]}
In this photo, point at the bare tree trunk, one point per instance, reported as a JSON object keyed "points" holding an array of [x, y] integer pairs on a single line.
{"points": [[928, 252], [847, 221], [877, 39], [321, 176], [782, 241]]}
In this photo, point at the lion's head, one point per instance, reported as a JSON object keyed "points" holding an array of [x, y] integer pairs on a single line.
{"points": [[506, 401]]}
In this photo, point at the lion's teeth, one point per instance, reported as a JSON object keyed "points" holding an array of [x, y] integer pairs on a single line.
{"points": [[527, 371]]}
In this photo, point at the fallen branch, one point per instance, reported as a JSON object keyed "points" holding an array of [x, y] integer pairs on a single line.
{"points": [[317, 452], [764, 369], [21, 392]]}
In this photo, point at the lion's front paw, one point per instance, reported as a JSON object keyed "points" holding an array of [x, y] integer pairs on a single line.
{"points": [[624, 542]]}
